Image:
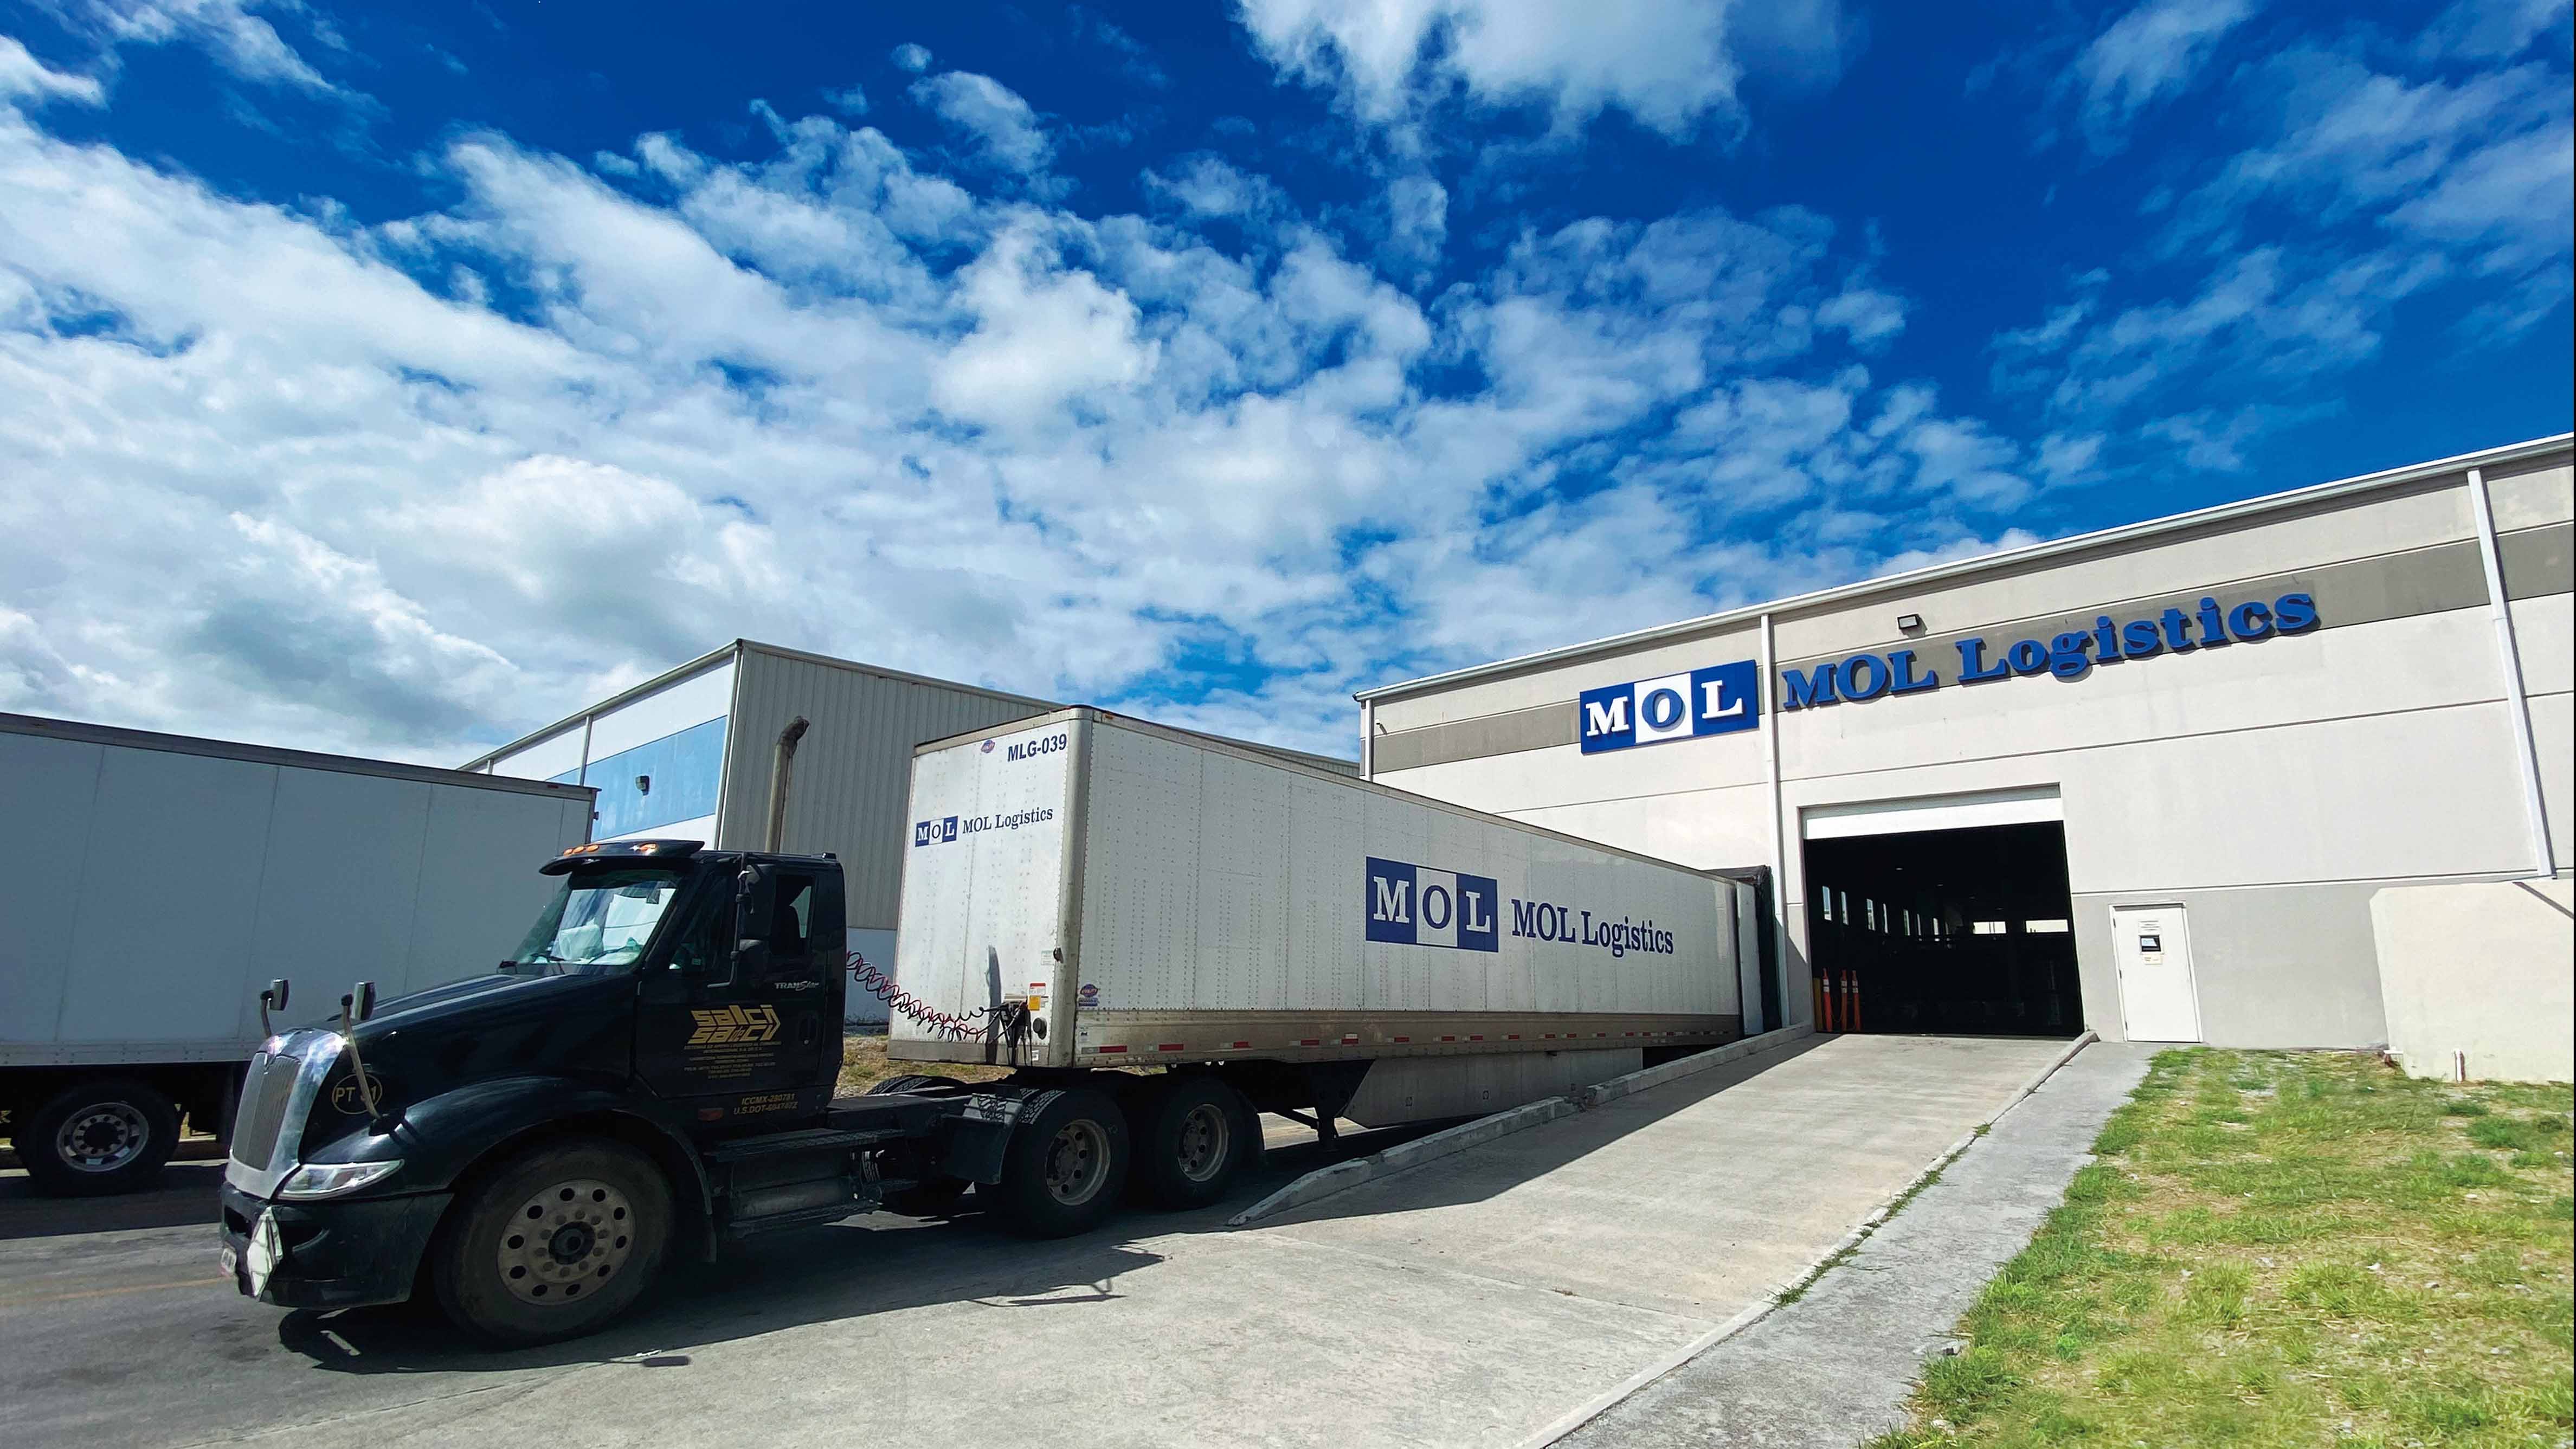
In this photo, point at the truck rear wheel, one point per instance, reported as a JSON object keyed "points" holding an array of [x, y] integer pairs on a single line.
{"points": [[1196, 1134], [556, 1242], [110, 1135], [1066, 1166]]}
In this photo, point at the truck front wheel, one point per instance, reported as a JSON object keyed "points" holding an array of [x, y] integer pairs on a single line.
{"points": [[1066, 1166], [111, 1135], [554, 1243]]}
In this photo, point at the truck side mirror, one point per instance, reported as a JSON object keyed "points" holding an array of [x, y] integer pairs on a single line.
{"points": [[752, 903]]}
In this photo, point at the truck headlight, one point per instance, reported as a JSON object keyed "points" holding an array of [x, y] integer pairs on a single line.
{"points": [[329, 1179]]}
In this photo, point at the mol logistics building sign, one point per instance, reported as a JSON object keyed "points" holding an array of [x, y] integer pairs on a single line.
{"points": [[1721, 698]]}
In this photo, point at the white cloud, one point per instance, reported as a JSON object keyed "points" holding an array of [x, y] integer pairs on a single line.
{"points": [[850, 100], [2491, 29], [1044, 336], [1004, 128], [911, 57], [23, 77], [2145, 56], [1668, 63], [327, 493], [228, 30]]}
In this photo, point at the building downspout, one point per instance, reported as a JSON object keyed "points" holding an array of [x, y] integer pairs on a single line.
{"points": [[779, 774], [2526, 754], [1766, 700], [1368, 739]]}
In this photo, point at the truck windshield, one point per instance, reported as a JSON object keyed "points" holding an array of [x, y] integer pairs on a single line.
{"points": [[598, 923]]}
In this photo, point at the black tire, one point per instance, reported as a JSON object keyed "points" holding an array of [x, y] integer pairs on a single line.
{"points": [[1066, 1166], [575, 1270], [105, 1136], [1193, 1137]]}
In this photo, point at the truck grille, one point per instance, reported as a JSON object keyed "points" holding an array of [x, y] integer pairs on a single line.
{"points": [[266, 1088], [278, 1091]]}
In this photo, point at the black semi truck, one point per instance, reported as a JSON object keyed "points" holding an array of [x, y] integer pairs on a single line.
{"points": [[651, 1074]]}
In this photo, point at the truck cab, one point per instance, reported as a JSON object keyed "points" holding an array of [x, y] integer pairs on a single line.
{"points": [[650, 1072]]}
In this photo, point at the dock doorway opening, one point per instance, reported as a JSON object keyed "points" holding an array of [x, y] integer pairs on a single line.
{"points": [[1967, 930]]}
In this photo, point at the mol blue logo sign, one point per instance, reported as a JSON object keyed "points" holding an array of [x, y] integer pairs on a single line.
{"points": [[1713, 701], [934, 832], [1413, 905], [2069, 656]]}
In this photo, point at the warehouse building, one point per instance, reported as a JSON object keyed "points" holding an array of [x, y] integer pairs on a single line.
{"points": [[2186, 780], [691, 755]]}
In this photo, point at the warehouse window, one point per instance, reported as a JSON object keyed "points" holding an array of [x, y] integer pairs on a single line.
{"points": [[684, 768], [1990, 928], [2044, 928]]}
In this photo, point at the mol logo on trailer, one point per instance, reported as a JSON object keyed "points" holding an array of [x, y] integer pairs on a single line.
{"points": [[1412, 905], [1713, 701], [934, 832]]}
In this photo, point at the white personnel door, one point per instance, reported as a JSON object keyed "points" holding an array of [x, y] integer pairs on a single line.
{"points": [[2151, 946]]}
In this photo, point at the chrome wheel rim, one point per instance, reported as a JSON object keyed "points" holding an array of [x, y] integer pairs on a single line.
{"points": [[1077, 1162], [102, 1137], [566, 1242], [1205, 1134]]}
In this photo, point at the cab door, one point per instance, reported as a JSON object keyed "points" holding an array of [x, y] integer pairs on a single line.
{"points": [[731, 1028]]}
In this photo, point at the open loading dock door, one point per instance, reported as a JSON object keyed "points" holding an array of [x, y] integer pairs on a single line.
{"points": [[1947, 916]]}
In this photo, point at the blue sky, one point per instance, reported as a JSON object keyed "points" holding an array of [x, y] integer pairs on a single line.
{"points": [[394, 379]]}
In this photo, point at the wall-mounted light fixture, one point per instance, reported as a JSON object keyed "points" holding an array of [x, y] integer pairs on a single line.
{"points": [[643, 784], [1909, 623]]}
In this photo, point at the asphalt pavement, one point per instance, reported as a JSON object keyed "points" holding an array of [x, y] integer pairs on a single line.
{"points": [[1472, 1301]]}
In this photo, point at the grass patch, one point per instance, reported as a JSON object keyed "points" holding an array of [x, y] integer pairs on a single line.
{"points": [[2285, 1248]]}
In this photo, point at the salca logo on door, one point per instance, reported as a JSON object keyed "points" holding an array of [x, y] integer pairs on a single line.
{"points": [[1414, 905], [1713, 701]]}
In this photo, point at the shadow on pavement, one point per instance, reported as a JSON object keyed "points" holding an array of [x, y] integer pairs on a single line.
{"points": [[855, 1269], [187, 1193]]}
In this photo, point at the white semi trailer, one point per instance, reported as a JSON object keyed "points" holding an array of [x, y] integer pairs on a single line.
{"points": [[1088, 892], [151, 885]]}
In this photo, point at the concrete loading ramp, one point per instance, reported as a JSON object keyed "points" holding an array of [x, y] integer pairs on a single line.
{"points": [[1698, 1199]]}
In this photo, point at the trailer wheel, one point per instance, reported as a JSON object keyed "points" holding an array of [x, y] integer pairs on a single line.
{"points": [[1196, 1134], [110, 1135], [557, 1241], [1066, 1166]]}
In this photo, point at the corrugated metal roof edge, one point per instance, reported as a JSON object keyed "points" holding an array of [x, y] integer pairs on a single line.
{"points": [[99, 734], [729, 651], [2008, 558]]}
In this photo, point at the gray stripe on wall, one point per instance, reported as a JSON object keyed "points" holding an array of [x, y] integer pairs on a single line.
{"points": [[2359, 591], [1469, 739], [2538, 561]]}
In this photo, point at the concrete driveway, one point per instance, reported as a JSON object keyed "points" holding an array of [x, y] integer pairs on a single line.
{"points": [[1471, 1301]]}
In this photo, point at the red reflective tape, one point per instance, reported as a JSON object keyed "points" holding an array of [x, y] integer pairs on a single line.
{"points": [[1110, 1049], [1475, 1038], [1350, 1037], [1448, 1038], [1309, 1041], [1404, 1038], [1240, 1046], [1169, 1046], [1512, 1036]]}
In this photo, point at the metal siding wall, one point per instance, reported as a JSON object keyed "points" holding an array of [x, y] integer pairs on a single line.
{"points": [[48, 793], [853, 769]]}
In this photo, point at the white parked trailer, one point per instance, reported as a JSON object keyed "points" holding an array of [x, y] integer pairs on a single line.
{"points": [[1088, 891], [150, 884]]}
